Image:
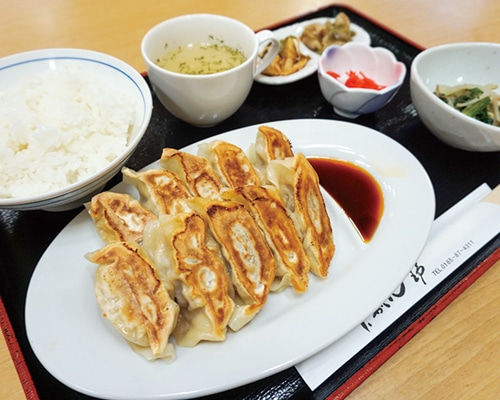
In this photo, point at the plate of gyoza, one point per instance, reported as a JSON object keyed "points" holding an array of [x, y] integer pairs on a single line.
{"points": [[133, 300]]}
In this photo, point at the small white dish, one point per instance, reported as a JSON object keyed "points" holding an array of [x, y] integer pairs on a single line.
{"points": [[455, 64], [376, 63], [311, 67]]}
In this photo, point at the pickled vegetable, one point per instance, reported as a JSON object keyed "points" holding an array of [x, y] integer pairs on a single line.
{"points": [[357, 80]]}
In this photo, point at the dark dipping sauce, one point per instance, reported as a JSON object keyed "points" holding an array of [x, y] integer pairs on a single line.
{"points": [[355, 190]]}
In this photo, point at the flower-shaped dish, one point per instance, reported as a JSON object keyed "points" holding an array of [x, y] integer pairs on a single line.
{"points": [[377, 65]]}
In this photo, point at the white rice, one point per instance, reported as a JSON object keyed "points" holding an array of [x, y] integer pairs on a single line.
{"points": [[58, 128]]}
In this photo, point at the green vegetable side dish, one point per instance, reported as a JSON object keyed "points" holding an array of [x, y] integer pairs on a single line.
{"points": [[476, 101]]}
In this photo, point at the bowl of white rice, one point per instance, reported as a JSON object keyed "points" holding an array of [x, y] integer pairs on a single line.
{"points": [[69, 120]]}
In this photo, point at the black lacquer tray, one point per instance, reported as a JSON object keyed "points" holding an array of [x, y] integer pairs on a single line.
{"points": [[24, 235]]}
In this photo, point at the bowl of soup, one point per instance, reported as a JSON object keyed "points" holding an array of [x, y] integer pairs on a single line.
{"points": [[202, 66], [201, 58]]}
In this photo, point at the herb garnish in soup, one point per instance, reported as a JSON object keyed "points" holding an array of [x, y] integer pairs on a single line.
{"points": [[201, 59]]}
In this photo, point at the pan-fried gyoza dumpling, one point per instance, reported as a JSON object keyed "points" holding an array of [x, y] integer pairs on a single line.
{"points": [[231, 164], [270, 144], [189, 258], [298, 184], [265, 205], [194, 171], [118, 217], [161, 191], [244, 246], [133, 298]]}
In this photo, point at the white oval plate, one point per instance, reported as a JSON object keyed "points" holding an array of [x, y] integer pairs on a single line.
{"points": [[80, 348], [311, 67]]}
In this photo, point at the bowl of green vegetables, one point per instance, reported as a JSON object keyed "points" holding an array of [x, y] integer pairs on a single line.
{"points": [[454, 88]]}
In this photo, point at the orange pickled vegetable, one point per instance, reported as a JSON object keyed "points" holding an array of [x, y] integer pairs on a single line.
{"points": [[333, 74], [358, 80]]}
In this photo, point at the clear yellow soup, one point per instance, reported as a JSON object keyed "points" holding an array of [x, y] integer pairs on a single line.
{"points": [[201, 59]]}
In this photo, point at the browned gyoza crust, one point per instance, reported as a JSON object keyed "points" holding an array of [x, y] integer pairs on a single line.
{"points": [[270, 144], [253, 267], [195, 171], [188, 257], [298, 184], [264, 203], [231, 164], [273, 143], [161, 191], [311, 208], [134, 299], [118, 217], [299, 188]]}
